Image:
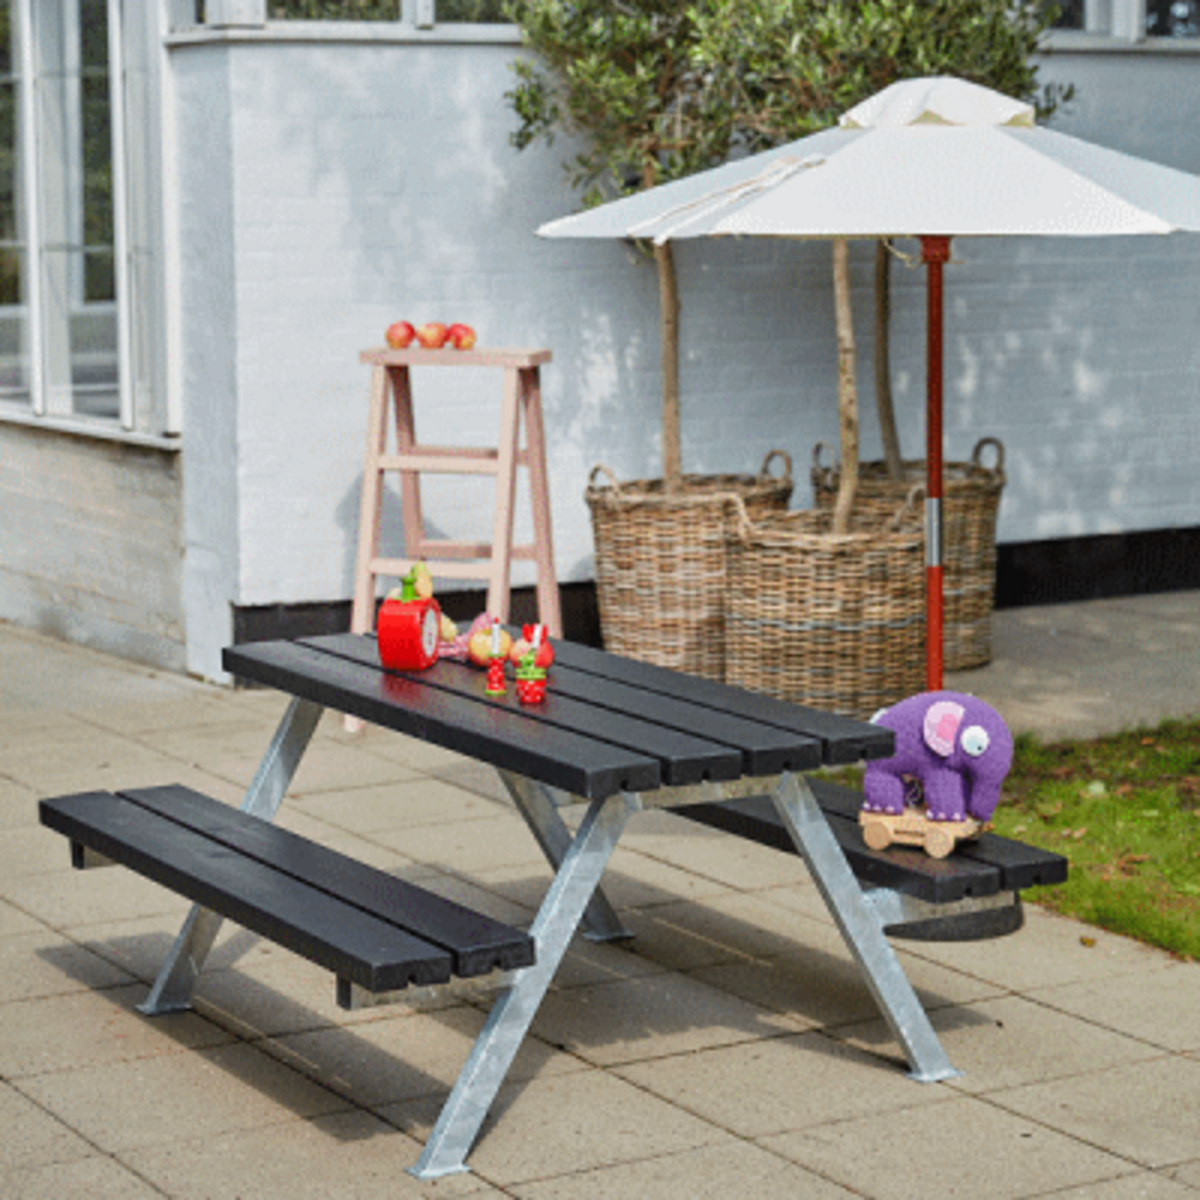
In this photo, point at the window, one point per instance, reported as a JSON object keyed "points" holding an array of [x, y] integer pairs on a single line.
{"points": [[69, 263], [1131, 20]]}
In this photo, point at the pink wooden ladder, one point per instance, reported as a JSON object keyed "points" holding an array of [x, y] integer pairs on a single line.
{"points": [[391, 388]]}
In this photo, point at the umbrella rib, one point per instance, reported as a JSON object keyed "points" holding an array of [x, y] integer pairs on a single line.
{"points": [[703, 206]]}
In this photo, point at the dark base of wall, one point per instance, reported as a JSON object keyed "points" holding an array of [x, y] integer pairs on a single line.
{"points": [[1096, 568], [1056, 572], [581, 617]]}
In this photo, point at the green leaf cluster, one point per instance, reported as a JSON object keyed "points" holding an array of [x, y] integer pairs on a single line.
{"points": [[657, 90]]}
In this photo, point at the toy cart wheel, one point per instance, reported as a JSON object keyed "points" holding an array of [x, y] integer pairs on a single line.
{"points": [[877, 834], [938, 842]]}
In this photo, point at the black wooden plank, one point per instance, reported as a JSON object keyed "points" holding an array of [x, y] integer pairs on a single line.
{"points": [[684, 757], [347, 941], [478, 943], [489, 732], [1020, 866], [907, 870], [843, 739]]}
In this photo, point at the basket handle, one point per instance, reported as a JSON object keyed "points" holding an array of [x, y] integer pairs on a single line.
{"points": [[977, 453], [916, 493], [613, 481], [764, 471], [822, 475], [745, 527]]}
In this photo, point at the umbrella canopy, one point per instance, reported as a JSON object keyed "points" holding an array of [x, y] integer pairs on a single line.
{"points": [[931, 158], [937, 156]]}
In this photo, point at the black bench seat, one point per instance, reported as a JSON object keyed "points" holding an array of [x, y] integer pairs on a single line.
{"points": [[369, 928], [990, 866]]}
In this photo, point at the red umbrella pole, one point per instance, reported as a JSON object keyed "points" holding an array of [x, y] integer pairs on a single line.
{"points": [[935, 252]]}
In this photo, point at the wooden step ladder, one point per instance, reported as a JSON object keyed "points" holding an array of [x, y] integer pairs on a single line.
{"points": [[391, 389]]}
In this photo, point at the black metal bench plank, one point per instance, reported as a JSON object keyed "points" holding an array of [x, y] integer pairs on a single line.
{"points": [[353, 944], [477, 943], [492, 733], [686, 755], [906, 870], [764, 749], [1020, 865], [843, 739]]}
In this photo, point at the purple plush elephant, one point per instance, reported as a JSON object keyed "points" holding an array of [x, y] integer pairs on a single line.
{"points": [[958, 749]]}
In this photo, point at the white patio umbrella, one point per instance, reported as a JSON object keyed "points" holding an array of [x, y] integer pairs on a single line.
{"points": [[933, 159]]}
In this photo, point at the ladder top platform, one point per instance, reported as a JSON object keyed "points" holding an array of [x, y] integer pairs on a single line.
{"points": [[449, 357]]}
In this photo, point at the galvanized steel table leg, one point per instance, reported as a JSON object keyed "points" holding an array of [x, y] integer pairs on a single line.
{"points": [[862, 930], [172, 990], [511, 1015], [535, 802]]}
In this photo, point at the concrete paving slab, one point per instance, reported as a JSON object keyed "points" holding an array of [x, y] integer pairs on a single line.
{"points": [[32, 1137], [179, 1097], [1162, 1008], [1187, 1174], [1143, 1185], [709, 1173], [1145, 1111], [70, 899], [1009, 1041], [1080, 670], [94, 1178], [470, 846], [350, 1154], [707, 852], [964, 1148], [53, 1034], [569, 1125], [416, 801], [42, 963], [404, 1056], [769, 1086], [1051, 950], [651, 1017]]}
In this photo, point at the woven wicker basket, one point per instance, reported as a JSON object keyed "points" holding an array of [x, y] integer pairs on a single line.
{"points": [[971, 500], [832, 621], [660, 561]]}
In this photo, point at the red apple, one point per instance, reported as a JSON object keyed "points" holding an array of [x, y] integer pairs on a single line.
{"points": [[400, 335], [461, 337], [432, 335]]}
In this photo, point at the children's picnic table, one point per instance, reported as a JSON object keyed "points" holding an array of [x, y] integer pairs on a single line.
{"points": [[615, 736]]}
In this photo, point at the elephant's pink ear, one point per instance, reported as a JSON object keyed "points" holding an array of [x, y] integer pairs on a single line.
{"points": [[941, 726]]}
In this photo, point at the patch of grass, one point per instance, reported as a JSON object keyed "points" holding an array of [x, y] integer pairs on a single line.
{"points": [[1126, 811]]}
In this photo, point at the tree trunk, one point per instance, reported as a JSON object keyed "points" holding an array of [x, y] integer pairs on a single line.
{"points": [[847, 389], [883, 361], [668, 295]]}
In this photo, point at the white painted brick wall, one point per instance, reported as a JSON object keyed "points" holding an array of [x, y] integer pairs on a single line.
{"points": [[373, 182]]}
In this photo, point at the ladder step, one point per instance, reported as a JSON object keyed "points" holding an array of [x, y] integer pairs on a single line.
{"points": [[447, 570]]}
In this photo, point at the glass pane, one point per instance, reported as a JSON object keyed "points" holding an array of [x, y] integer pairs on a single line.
{"points": [[471, 11], [9, 188], [1173, 18], [93, 34], [8, 47], [14, 335], [334, 10], [78, 314]]}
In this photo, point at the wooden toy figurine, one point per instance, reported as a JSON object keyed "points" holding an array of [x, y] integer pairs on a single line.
{"points": [[409, 624], [531, 679], [953, 753], [495, 672]]}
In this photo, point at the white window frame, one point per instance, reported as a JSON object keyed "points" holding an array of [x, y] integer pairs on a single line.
{"points": [[141, 418]]}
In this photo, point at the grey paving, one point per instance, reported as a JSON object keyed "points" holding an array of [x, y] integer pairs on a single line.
{"points": [[730, 1050]]}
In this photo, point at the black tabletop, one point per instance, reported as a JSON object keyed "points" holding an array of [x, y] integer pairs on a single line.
{"points": [[607, 724]]}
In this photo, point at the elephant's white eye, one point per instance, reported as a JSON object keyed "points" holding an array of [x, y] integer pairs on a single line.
{"points": [[975, 740]]}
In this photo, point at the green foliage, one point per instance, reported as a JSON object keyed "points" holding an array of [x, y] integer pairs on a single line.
{"points": [[1126, 812], [661, 89]]}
